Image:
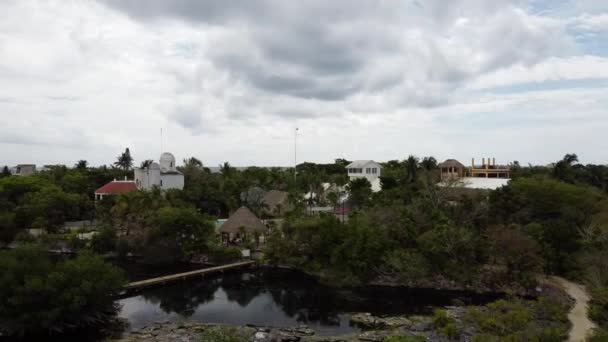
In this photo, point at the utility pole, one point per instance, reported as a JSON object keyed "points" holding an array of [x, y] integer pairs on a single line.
{"points": [[295, 157]]}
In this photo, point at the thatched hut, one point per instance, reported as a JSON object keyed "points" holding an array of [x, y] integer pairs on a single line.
{"points": [[452, 169], [240, 224]]}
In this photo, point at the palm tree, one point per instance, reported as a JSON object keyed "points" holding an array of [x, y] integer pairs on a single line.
{"points": [[570, 158], [563, 168], [124, 161], [411, 166], [192, 161], [226, 169], [81, 164], [146, 163]]}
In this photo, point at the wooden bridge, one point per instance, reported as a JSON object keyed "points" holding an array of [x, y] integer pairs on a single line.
{"points": [[183, 276]]}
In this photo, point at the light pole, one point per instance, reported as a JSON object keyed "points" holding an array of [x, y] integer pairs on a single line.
{"points": [[295, 157]]}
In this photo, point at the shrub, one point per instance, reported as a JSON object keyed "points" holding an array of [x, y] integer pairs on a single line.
{"points": [[221, 254], [223, 334], [544, 320], [409, 265], [598, 309], [553, 334], [440, 318], [450, 331], [550, 309], [599, 335]]}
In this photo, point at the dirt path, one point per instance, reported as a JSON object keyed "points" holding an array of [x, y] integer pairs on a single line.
{"points": [[581, 324]]}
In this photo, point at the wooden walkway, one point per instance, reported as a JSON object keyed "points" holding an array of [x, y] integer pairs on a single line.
{"points": [[182, 276]]}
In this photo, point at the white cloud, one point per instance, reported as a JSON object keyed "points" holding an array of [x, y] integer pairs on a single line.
{"points": [[552, 69], [589, 22], [365, 79]]}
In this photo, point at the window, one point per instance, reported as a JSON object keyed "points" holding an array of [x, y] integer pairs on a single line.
{"points": [[161, 182], [374, 170], [367, 170]]}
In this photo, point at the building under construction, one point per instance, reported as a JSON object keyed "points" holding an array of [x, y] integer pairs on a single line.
{"points": [[452, 169], [489, 169]]}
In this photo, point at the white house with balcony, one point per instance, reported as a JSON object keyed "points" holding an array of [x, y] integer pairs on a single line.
{"points": [[368, 169], [163, 175]]}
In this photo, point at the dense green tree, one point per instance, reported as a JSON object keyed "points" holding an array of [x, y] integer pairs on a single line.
{"points": [[191, 231], [429, 163], [451, 249], [516, 250], [40, 296], [8, 226], [5, 172], [105, 240], [554, 213], [360, 191]]}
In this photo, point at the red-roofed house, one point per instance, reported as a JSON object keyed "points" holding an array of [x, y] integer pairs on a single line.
{"points": [[115, 188]]}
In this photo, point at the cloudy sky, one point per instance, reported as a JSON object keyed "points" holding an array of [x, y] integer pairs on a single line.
{"points": [[230, 80]]}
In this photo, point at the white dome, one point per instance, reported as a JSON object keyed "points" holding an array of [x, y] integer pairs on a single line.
{"points": [[154, 166], [167, 162]]}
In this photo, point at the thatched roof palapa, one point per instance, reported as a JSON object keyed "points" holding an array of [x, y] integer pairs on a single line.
{"points": [[244, 218], [451, 163]]}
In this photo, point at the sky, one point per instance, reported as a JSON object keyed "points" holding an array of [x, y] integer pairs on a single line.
{"points": [[361, 79]]}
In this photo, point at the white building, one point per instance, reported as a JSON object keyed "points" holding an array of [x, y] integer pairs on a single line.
{"points": [[23, 170], [163, 175], [366, 169]]}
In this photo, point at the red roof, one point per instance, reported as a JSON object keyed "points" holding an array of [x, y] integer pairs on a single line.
{"points": [[117, 187]]}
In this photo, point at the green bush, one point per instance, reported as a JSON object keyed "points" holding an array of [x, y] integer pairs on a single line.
{"points": [[440, 318], [598, 308], [408, 264], [222, 254], [553, 334], [223, 334], [544, 320], [599, 335], [450, 331]]}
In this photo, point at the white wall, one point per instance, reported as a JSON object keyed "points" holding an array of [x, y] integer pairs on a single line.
{"points": [[146, 179], [172, 181]]}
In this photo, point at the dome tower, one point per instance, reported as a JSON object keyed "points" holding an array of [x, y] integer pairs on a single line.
{"points": [[167, 162]]}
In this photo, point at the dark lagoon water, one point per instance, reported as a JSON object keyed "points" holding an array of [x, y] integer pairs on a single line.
{"points": [[279, 298]]}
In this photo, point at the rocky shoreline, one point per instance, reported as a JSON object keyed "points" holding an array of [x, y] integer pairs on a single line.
{"points": [[488, 283], [373, 329]]}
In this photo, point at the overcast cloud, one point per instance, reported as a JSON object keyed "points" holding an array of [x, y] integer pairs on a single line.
{"points": [[230, 80]]}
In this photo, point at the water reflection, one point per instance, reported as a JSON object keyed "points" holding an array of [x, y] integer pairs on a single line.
{"points": [[276, 298]]}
